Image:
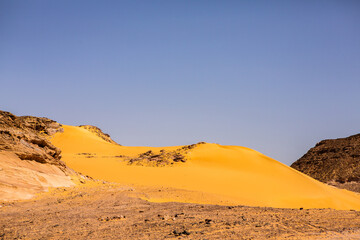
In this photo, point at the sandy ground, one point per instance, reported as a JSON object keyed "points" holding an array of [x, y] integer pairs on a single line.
{"points": [[112, 211]]}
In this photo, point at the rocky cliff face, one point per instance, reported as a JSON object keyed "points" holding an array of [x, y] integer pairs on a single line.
{"points": [[27, 137], [334, 161], [29, 163]]}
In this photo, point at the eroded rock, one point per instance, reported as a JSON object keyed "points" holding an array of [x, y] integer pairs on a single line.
{"points": [[28, 137], [333, 161]]}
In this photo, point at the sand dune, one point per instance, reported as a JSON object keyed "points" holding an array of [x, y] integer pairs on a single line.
{"points": [[212, 174]]}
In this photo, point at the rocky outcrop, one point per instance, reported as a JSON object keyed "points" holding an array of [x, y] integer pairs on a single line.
{"points": [[99, 133], [162, 158], [28, 138], [333, 161], [29, 163]]}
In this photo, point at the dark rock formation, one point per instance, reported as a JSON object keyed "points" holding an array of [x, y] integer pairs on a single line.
{"points": [[28, 138], [334, 161]]}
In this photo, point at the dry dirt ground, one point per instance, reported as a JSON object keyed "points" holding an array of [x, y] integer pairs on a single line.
{"points": [[112, 211]]}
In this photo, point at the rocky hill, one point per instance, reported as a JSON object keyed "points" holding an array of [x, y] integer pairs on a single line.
{"points": [[29, 163], [334, 161], [99, 133]]}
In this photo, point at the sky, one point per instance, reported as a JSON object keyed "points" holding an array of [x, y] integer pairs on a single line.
{"points": [[275, 76]]}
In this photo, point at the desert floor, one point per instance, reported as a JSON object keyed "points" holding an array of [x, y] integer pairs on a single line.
{"points": [[112, 211]]}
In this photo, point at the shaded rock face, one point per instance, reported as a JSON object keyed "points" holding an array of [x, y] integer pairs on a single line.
{"points": [[334, 161], [99, 133], [27, 137]]}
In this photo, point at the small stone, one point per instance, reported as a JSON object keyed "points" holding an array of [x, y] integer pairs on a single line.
{"points": [[178, 214], [208, 221]]}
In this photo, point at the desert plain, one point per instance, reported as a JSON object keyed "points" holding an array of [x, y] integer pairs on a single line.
{"points": [[197, 191]]}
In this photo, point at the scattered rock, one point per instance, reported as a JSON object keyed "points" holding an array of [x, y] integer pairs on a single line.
{"points": [[163, 158], [113, 218], [180, 233], [163, 217]]}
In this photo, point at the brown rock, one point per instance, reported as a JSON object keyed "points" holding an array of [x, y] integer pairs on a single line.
{"points": [[334, 161], [27, 137], [30, 162]]}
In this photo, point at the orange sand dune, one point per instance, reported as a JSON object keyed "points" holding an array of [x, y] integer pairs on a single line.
{"points": [[215, 174]]}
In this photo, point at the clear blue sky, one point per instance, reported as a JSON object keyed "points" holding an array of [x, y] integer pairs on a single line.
{"points": [[276, 76]]}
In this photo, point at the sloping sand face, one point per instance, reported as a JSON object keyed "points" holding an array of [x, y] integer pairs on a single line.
{"points": [[212, 174]]}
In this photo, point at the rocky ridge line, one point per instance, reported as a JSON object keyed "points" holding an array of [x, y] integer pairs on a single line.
{"points": [[99, 133]]}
